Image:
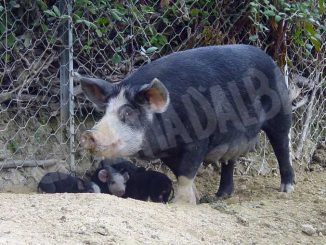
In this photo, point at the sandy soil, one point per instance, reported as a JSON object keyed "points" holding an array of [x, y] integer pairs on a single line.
{"points": [[256, 214]]}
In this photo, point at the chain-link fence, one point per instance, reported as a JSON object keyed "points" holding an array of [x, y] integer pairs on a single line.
{"points": [[43, 41]]}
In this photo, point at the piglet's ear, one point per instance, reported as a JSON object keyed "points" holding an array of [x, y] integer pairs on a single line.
{"points": [[103, 175], [126, 176], [80, 184], [96, 90], [155, 96]]}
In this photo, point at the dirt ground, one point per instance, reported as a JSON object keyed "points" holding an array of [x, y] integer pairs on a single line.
{"points": [[256, 214]]}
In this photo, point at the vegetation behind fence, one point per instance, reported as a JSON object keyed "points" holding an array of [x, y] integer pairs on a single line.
{"points": [[42, 41]]}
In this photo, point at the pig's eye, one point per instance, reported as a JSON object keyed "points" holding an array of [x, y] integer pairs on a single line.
{"points": [[128, 115]]}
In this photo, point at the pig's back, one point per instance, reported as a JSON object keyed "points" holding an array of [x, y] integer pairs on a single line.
{"points": [[206, 67]]}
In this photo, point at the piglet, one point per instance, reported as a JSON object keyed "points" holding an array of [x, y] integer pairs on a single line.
{"points": [[149, 185], [57, 182], [110, 180]]}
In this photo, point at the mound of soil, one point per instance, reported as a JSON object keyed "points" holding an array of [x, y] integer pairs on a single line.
{"points": [[256, 214]]}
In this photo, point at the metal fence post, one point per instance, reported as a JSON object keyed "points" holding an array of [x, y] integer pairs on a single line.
{"points": [[66, 81]]}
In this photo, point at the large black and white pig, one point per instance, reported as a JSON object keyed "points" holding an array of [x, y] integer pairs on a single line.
{"points": [[203, 104]]}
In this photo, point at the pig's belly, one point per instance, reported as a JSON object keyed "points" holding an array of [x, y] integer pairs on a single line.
{"points": [[231, 150]]}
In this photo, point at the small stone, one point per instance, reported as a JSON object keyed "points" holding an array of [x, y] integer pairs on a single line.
{"points": [[308, 229], [203, 239], [63, 218], [102, 230], [242, 221], [242, 187], [154, 236], [322, 229]]}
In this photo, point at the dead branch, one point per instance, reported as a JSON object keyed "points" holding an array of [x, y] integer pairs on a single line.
{"points": [[300, 103], [306, 123], [37, 68], [295, 92], [35, 72], [7, 95], [29, 163], [246, 159]]}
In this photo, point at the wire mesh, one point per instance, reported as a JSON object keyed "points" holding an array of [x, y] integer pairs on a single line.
{"points": [[111, 39]]}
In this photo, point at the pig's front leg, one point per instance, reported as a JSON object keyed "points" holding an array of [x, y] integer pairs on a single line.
{"points": [[186, 170]]}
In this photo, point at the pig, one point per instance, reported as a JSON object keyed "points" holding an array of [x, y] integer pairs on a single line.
{"points": [[57, 182], [103, 185], [206, 104], [114, 166], [110, 180], [139, 183], [149, 185]]}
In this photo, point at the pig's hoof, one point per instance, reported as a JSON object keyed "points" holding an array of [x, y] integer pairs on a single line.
{"points": [[184, 197], [184, 200], [287, 188], [224, 193]]}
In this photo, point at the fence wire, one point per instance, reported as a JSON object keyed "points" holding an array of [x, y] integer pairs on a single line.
{"points": [[41, 110]]}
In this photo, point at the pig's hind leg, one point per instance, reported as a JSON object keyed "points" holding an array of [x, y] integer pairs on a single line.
{"points": [[277, 131], [226, 187]]}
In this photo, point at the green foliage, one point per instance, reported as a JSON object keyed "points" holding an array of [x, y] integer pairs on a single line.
{"points": [[54, 12], [121, 29], [306, 20], [116, 58], [12, 146]]}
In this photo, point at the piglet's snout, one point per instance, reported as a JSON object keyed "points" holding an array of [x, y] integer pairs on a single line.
{"points": [[120, 193], [87, 140]]}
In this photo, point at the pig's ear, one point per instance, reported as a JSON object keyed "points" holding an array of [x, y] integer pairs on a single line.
{"points": [[103, 175], [126, 176], [154, 95], [96, 90]]}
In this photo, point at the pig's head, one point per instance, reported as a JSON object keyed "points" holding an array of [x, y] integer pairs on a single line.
{"points": [[128, 112], [86, 186], [91, 187], [116, 181]]}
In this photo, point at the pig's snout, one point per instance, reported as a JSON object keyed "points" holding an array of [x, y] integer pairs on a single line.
{"points": [[87, 140]]}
